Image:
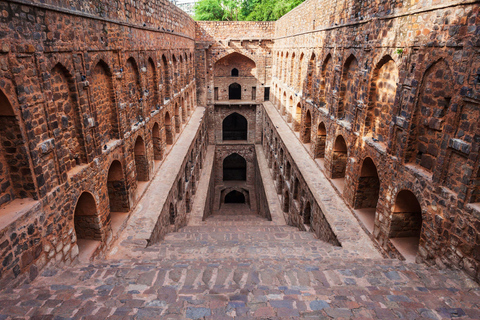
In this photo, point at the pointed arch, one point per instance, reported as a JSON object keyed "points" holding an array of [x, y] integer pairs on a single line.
{"points": [[348, 92], [326, 79], [406, 224], [321, 141], [311, 74], [103, 97], [133, 86], [235, 127], [15, 173], [117, 188], [297, 118], [169, 134], [166, 78], [381, 100], [141, 161], [152, 86], [157, 142], [235, 91], [68, 113], [307, 128], [426, 130], [339, 160], [299, 82], [234, 168]]}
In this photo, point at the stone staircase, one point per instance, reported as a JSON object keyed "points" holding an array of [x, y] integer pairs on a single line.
{"points": [[244, 267]]}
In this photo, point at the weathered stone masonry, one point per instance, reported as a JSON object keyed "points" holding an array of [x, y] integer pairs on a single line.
{"points": [[89, 93], [388, 100], [94, 95]]}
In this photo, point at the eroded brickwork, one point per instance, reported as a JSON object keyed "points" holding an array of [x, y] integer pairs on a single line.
{"points": [[85, 118], [389, 94]]}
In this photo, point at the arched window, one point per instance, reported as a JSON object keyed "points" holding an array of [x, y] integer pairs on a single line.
{"points": [[234, 127], [234, 168], [234, 72], [235, 91]]}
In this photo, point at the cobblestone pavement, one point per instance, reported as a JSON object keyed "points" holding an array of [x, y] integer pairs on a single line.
{"points": [[254, 269]]}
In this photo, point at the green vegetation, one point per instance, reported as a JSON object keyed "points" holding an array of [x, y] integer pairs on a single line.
{"points": [[243, 10]]}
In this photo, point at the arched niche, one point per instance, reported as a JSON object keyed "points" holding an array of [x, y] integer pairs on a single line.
{"points": [[339, 159], [141, 161], [117, 188]]}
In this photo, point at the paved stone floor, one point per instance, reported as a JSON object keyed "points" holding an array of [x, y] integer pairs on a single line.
{"points": [[244, 267]]}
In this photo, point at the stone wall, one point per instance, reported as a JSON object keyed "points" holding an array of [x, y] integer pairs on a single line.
{"points": [[294, 193], [73, 103], [217, 40], [398, 81]]}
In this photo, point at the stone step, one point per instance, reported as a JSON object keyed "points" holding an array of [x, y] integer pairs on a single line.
{"points": [[333, 288], [240, 229]]}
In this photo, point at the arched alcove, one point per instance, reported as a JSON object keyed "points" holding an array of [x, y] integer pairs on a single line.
{"points": [[15, 173], [157, 142], [104, 101], [307, 214], [172, 214], [286, 202], [339, 159], [234, 168], [86, 220], [406, 224], [117, 188], [168, 129], [234, 72], [141, 161], [321, 142], [234, 91], [235, 127], [307, 128]]}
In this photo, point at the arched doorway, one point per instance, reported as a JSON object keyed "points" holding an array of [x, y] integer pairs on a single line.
{"points": [[321, 141], [168, 129], [157, 142], [234, 91], [235, 127], [234, 168], [367, 193], [117, 188], [141, 161], [235, 197], [406, 224], [339, 160], [87, 226], [307, 130]]}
